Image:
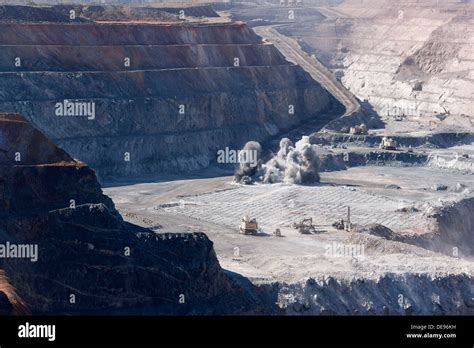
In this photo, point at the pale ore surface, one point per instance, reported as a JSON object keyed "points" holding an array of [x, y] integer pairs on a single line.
{"points": [[215, 206]]}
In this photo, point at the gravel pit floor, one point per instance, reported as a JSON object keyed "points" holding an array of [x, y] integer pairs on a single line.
{"points": [[215, 206]]}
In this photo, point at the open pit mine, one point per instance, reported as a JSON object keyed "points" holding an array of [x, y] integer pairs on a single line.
{"points": [[307, 157]]}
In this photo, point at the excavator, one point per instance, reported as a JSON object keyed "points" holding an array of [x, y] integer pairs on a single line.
{"points": [[305, 226]]}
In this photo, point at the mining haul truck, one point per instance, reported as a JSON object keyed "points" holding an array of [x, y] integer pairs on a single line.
{"points": [[249, 225], [388, 144]]}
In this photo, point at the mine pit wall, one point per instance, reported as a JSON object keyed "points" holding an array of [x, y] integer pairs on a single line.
{"points": [[107, 58], [61, 13], [438, 140], [392, 294], [125, 34], [137, 108], [366, 53], [453, 162], [455, 227], [148, 126]]}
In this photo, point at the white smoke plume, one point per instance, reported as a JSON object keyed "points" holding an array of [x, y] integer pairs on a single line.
{"points": [[248, 169], [293, 164]]}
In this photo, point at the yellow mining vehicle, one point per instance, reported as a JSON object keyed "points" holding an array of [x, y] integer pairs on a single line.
{"points": [[358, 130], [249, 226], [388, 144]]}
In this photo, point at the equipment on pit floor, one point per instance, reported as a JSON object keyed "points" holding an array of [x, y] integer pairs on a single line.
{"points": [[345, 225], [305, 226], [388, 144], [358, 130], [249, 226], [277, 232], [348, 224]]}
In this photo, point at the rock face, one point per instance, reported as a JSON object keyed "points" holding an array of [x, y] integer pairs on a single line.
{"points": [[88, 259], [379, 53], [61, 13], [167, 96], [5, 304], [392, 294], [455, 226]]}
